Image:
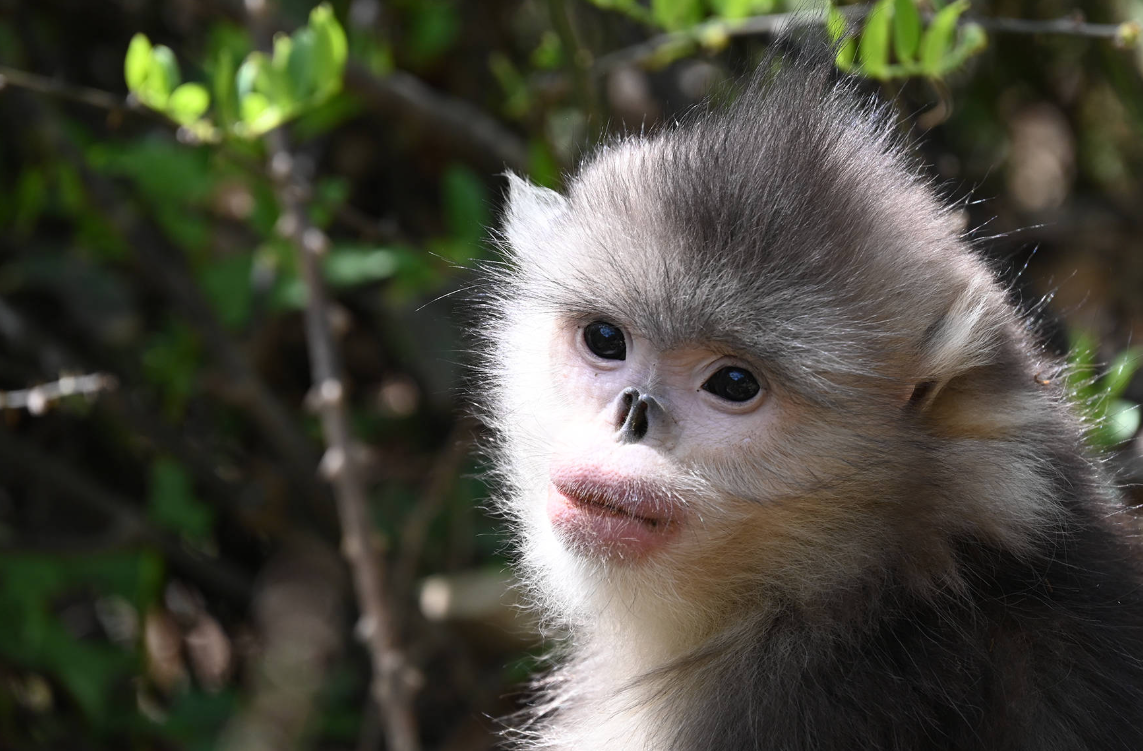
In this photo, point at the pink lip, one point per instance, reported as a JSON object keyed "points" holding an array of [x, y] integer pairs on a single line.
{"points": [[611, 519]]}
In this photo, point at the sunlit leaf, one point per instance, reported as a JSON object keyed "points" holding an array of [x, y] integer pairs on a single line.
{"points": [[734, 9], [256, 111], [906, 30], [225, 89], [162, 77], [938, 39], [873, 50], [972, 39], [248, 73], [836, 24], [331, 48], [846, 54], [188, 103], [1121, 371], [676, 14], [138, 62], [301, 68]]}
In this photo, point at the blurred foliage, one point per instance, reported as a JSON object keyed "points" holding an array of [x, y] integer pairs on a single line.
{"points": [[160, 543], [264, 91], [895, 28], [1113, 418]]}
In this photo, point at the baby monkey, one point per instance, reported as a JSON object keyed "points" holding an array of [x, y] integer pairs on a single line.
{"points": [[783, 460]]}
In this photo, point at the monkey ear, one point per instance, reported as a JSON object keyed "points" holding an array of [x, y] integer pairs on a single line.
{"points": [[968, 336], [530, 214]]}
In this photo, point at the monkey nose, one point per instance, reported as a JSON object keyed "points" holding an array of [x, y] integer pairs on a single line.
{"points": [[634, 415]]}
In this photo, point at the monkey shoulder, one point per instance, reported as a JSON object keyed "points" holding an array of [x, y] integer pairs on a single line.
{"points": [[1036, 653]]}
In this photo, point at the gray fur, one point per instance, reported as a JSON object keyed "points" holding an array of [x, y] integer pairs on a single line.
{"points": [[979, 592]]}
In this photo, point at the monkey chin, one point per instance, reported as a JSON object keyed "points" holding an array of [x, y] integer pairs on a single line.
{"points": [[599, 522]]}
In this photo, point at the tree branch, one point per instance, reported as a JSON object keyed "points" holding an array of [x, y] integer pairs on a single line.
{"points": [[61, 90], [38, 398], [778, 23], [392, 685], [479, 136]]}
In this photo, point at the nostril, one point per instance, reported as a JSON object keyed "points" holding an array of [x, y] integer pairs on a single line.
{"points": [[638, 420], [629, 396], [632, 421]]}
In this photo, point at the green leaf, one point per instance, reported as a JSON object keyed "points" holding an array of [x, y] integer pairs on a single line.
{"points": [[972, 40], [845, 55], [258, 115], [331, 49], [163, 76], [166, 173], [676, 14], [938, 38], [906, 30], [737, 9], [188, 103], [549, 54], [836, 25], [328, 196], [1081, 367], [301, 67], [225, 89], [138, 62], [350, 266], [274, 79], [171, 361], [433, 26], [30, 200], [465, 204], [542, 166], [248, 73], [226, 282], [873, 49], [172, 503], [319, 119], [1121, 371]]}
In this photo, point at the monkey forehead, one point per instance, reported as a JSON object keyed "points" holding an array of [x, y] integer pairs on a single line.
{"points": [[796, 211]]}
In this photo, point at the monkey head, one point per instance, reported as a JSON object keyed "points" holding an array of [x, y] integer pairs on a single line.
{"points": [[750, 358]]}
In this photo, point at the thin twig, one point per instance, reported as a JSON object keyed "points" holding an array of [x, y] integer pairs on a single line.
{"points": [[774, 23], [1070, 26], [455, 121], [441, 478], [61, 90], [780, 23], [469, 129], [38, 398], [392, 685]]}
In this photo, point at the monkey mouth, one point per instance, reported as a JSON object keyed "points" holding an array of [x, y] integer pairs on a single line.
{"points": [[611, 521], [600, 503]]}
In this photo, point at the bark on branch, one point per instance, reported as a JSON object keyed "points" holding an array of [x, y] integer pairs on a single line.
{"points": [[392, 684]]}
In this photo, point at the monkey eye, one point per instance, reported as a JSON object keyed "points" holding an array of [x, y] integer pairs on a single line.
{"points": [[605, 340], [733, 384]]}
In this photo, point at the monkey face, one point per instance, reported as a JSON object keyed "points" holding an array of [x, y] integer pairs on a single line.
{"points": [[636, 417]]}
